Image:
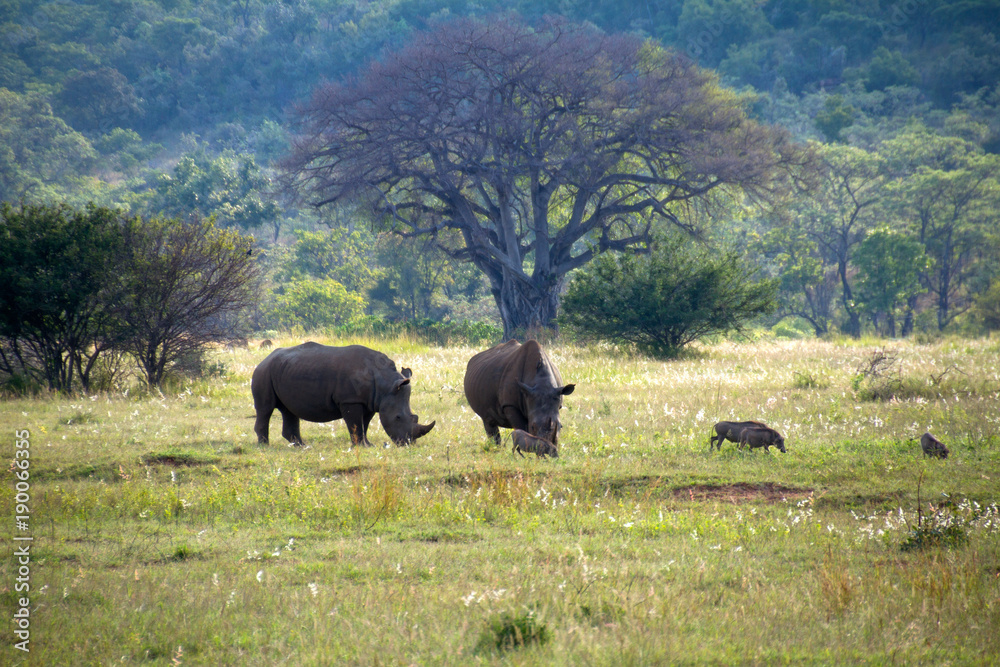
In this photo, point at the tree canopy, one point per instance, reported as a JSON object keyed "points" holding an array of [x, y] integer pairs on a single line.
{"points": [[84, 283], [541, 147]]}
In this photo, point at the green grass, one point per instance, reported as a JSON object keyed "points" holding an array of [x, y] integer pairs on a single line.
{"points": [[164, 534]]}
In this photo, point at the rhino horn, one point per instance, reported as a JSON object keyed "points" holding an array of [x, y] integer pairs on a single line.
{"points": [[420, 430], [525, 388]]}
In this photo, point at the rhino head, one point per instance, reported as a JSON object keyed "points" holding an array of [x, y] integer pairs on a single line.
{"points": [[543, 402], [399, 423]]}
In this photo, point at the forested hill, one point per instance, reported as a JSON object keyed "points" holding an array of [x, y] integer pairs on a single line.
{"points": [[178, 107], [221, 69]]}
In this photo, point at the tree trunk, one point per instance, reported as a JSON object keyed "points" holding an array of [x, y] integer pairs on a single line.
{"points": [[908, 320], [945, 277], [526, 308], [854, 318]]}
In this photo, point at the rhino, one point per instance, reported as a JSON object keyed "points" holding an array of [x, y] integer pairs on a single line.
{"points": [[730, 431], [516, 386], [761, 436], [320, 383], [525, 442], [932, 446]]}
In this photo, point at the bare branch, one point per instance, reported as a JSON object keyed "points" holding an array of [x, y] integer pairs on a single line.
{"points": [[528, 140]]}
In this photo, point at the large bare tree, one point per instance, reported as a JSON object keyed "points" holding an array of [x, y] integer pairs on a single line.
{"points": [[529, 150]]}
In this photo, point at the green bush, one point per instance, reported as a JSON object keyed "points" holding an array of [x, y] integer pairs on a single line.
{"points": [[925, 537], [660, 302], [507, 631], [313, 304]]}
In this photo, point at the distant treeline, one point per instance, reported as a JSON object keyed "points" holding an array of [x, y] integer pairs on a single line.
{"points": [[176, 108]]}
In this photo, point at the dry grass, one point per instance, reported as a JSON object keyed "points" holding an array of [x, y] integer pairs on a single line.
{"points": [[165, 535]]}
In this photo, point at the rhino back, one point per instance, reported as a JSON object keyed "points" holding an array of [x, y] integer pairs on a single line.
{"points": [[483, 375], [313, 380], [491, 376]]}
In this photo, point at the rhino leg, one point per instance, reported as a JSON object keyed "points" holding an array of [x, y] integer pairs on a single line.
{"points": [[262, 426], [357, 422], [263, 404], [492, 430], [290, 427], [515, 418]]}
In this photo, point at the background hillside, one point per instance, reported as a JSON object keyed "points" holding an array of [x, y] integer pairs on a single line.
{"points": [[183, 108]]}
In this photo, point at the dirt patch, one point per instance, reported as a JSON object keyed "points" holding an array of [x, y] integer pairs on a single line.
{"points": [[742, 492]]}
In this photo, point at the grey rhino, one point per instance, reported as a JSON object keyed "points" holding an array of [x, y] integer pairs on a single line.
{"points": [[320, 383], [730, 431], [516, 386], [933, 447], [525, 442], [761, 436]]}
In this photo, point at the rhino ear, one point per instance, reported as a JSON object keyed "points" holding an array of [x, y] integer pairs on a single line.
{"points": [[399, 383], [407, 373], [567, 390]]}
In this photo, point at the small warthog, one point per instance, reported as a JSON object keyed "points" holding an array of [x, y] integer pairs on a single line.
{"points": [[525, 442], [730, 431], [932, 446], [761, 436]]}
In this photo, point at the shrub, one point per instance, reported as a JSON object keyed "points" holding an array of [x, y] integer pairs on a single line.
{"points": [[314, 304], [57, 267], [939, 529], [933, 535], [802, 380], [507, 631], [186, 285], [878, 376], [662, 301]]}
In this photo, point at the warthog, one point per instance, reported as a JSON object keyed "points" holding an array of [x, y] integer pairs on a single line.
{"points": [[730, 431], [932, 446], [266, 344], [761, 436], [525, 442]]}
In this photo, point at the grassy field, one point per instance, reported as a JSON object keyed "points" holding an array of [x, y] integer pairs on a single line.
{"points": [[164, 534]]}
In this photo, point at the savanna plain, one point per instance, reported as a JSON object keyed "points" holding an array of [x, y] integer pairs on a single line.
{"points": [[163, 533]]}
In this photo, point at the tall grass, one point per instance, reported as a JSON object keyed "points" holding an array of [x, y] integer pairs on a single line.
{"points": [[164, 534]]}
